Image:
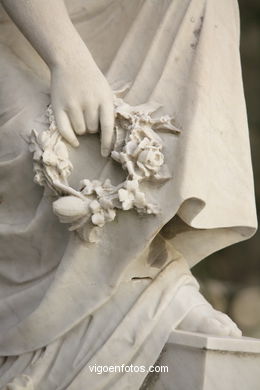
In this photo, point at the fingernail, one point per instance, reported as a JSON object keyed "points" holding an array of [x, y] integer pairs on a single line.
{"points": [[75, 144], [105, 152]]}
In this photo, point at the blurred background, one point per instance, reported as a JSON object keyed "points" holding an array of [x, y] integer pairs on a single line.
{"points": [[230, 279]]}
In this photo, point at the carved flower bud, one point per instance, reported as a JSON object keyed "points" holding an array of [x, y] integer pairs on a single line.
{"points": [[98, 219], [70, 208]]}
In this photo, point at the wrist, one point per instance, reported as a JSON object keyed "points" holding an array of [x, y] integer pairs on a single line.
{"points": [[74, 54]]}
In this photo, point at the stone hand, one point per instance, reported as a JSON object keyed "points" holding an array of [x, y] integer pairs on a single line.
{"points": [[82, 101], [81, 97]]}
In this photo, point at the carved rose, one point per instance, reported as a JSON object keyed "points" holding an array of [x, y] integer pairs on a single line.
{"points": [[142, 155], [151, 158]]}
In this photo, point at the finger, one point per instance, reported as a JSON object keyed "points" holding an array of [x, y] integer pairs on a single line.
{"points": [[91, 115], [234, 330], [236, 333], [107, 128], [213, 326], [65, 129], [77, 120]]}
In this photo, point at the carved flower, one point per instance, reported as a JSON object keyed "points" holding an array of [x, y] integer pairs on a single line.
{"points": [[142, 157], [151, 158], [131, 196], [101, 215], [127, 198], [49, 158], [98, 218], [62, 162]]}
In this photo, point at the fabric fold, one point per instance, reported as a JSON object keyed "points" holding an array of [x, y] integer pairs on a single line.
{"points": [[64, 300]]}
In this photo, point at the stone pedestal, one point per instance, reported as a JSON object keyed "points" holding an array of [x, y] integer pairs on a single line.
{"points": [[201, 362]]}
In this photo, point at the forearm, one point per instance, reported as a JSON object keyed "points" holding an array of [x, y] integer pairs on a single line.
{"points": [[46, 24], [80, 95]]}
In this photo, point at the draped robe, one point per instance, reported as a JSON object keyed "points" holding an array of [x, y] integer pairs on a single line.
{"points": [[65, 305]]}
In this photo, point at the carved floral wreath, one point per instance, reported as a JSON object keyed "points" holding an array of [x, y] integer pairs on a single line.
{"points": [[137, 148]]}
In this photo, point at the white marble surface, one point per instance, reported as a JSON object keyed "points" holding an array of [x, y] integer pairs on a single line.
{"points": [[67, 305], [201, 362]]}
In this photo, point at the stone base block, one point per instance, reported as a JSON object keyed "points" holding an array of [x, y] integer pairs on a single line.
{"points": [[201, 362]]}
